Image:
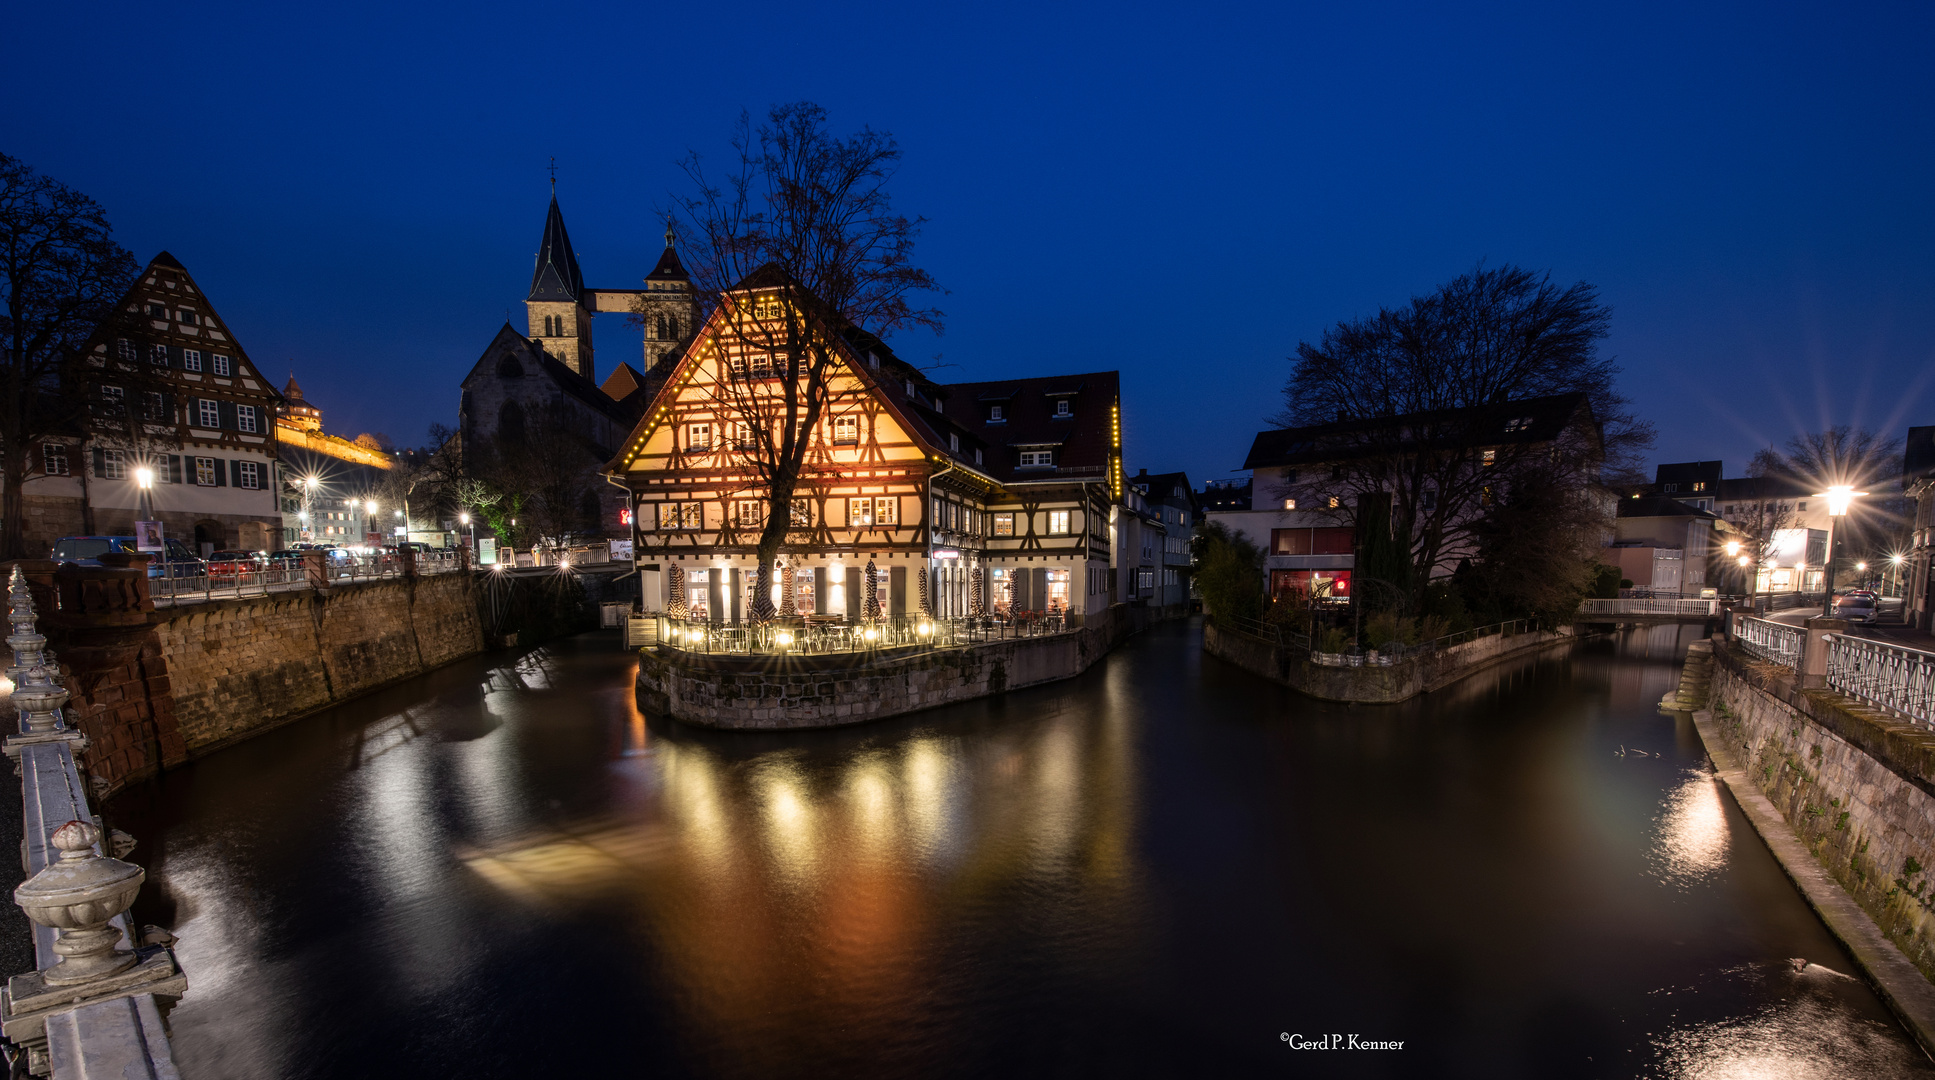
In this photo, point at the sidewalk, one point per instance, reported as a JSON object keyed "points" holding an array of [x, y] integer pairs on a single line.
{"points": [[1891, 633]]}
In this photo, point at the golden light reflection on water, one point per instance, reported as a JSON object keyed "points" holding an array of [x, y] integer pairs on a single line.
{"points": [[764, 875], [1807, 1035], [1692, 835]]}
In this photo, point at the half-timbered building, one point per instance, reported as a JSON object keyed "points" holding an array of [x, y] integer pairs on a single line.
{"points": [[966, 498]]}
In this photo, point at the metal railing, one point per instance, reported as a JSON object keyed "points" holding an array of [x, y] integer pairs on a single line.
{"points": [[290, 576], [1774, 642], [1299, 643], [818, 635], [1892, 678], [1643, 606]]}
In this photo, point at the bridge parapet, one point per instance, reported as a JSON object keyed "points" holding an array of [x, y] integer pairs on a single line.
{"points": [[1660, 607]]}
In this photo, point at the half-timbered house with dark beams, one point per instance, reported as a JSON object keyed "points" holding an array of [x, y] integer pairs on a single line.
{"points": [[974, 489], [173, 397]]}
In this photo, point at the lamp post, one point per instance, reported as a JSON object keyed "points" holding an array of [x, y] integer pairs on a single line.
{"points": [[144, 479], [463, 518], [1733, 550], [1839, 497]]}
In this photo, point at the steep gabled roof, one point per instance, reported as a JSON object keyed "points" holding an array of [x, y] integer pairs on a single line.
{"points": [[512, 355], [556, 276], [1688, 472], [1082, 441], [1532, 420]]}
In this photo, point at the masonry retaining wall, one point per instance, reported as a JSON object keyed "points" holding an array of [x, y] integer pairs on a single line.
{"points": [[1857, 787], [1377, 685], [828, 691]]}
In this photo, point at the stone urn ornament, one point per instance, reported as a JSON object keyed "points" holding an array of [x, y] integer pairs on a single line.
{"points": [[77, 895]]}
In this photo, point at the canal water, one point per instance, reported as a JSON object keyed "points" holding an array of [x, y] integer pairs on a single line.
{"points": [[1166, 867]]}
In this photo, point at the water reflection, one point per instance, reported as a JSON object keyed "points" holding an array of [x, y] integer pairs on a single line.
{"points": [[1148, 871], [1692, 835]]}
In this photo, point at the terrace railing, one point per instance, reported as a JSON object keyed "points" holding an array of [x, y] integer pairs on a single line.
{"points": [[1892, 678], [817, 635], [1776, 643]]}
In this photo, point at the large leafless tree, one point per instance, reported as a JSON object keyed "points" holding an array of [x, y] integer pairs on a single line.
{"points": [[1857, 458], [62, 275], [1450, 362], [794, 249]]}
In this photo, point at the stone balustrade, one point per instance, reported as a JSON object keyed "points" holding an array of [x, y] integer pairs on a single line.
{"points": [[90, 1008]]}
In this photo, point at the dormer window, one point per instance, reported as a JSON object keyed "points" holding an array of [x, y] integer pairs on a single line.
{"points": [[1064, 408], [977, 455], [954, 442], [997, 414], [1037, 459]]}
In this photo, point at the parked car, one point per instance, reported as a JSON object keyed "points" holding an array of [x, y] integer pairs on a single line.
{"points": [[1856, 607], [236, 562], [176, 559], [288, 558]]}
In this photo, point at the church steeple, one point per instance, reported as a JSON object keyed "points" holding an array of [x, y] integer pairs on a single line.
{"points": [[560, 306], [557, 277]]}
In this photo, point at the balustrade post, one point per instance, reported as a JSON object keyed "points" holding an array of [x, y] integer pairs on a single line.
{"points": [[1814, 649]]}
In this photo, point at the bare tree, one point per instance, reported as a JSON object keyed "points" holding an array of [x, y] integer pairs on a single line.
{"points": [[1857, 458], [542, 473], [63, 275], [1459, 475], [795, 250]]}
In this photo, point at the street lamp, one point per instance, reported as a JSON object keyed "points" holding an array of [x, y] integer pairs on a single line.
{"points": [[1733, 549], [1839, 498]]}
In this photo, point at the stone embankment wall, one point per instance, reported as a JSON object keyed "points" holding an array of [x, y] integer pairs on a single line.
{"points": [[828, 691], [1857, 787], [237, 666], [1373, 684], [152, 688]]}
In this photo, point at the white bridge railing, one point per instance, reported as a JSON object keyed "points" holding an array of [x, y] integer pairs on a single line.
{"points": [[1889, 677], [1650, 606], [1777, 643]]}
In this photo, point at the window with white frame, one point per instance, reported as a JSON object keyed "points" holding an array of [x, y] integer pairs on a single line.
{"points": [[248, 474], [245, 418], [691, 515], [846, 430], [1058, 523], [953, 442], [859, 513], [124, 349], [113, 395], [997, 414], [191, 359], [886, 510], [221, 364], [1064, 408], [1004, 524], [1037, 459], [748, 513], [53, 459], [698, 437], [208, 413], [152, 405], [735, 365], [158, 355], [205, 471], [114, 464], [742, 436], [802, 512]]}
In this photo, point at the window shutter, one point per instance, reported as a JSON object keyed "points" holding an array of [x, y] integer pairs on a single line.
{"points": [[235, 471], [221, 474], [228, 414], [174, 468], [100, 463]]}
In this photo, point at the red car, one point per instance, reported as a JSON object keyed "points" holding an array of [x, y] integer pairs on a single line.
{"points": [[226, 563]]}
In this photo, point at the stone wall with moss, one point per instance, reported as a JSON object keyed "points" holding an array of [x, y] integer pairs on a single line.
{"points": [[1857, 787]]}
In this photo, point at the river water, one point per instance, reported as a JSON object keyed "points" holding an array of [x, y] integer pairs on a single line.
{"points": [[1165, 867]]}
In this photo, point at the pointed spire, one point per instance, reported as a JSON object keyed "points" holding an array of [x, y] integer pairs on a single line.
{"points": [[292, 391], [557, 276], [669, 268], [671, 231]]}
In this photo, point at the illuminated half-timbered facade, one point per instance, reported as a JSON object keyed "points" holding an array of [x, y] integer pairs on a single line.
{"points": [[998, 492]]}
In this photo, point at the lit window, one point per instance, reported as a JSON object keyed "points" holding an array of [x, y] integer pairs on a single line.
{"points": [[1058, 522], [802, 512], [209, 413], [1333, 502], [742, 436], [221, 364], [53, 458], [859, 513], [1037, 458], [1492, 456], [747, 513], [691, 515], [735, 365], [1289, 504], [191, 359], [846, 430], [886, 511], [245, 417], [248, 474], [763, 366], [699, 437], [114, 464], [1004, 524]]}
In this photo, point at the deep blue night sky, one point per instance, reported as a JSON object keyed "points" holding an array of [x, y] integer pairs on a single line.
{"points": [[1182, 192]]}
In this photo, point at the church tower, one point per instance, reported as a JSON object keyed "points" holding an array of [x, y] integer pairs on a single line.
{"points": [[668, 308], [559, 307]]}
